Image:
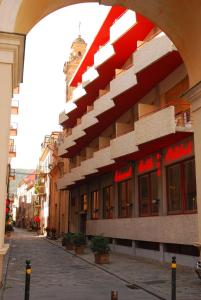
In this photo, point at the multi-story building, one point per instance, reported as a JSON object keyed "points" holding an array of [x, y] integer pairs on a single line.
{"points": [[130, 143]]}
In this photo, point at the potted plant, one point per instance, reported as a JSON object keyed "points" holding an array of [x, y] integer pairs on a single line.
{"points": [[100, 247], [79, 242], [47, 229], [68, 240], [8, 229], [53, 232]]}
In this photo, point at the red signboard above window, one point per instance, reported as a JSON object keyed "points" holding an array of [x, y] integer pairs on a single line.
{"points": [[121, 175], [148, 164], [178, 151]]}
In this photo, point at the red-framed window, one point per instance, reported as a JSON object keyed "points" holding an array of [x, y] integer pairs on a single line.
{"points": [[148, 194], [95, 205], [125, 199], [181, 187], [108, 202]]}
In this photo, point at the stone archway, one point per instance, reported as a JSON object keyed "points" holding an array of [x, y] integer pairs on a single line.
{"points": [[178, 19]]}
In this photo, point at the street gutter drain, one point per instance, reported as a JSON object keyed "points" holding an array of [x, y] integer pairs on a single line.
{"points": [[132, 286]]}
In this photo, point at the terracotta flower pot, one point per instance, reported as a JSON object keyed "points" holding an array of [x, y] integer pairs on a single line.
{"points": [[102, 258], [69, 247], [79, 249]]}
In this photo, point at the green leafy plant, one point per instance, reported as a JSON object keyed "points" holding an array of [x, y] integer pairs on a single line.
{"points": [[68, 239], [100, 244], [79, 239]]}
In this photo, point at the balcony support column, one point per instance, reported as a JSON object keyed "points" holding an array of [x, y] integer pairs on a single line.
{"points": [[193, 95]]}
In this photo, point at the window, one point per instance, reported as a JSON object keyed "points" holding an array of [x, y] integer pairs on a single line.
{"points": [[95, 205], [83, 203], [148, 245], [125, 199], [108, 202], [148, 194], [182, 249], [181, 187]]}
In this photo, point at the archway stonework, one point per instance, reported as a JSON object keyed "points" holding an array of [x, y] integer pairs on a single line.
{"points": [[179, 19]]}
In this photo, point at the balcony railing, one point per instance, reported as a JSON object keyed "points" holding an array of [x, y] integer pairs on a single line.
{"points": [[183, 116]]}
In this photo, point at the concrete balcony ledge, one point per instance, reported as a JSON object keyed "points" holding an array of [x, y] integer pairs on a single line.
{"points": [[103, 104], [62, 117], [122, 25], [123, 82], [87, 167], [103, 158], [104, 53], [89, 120], [155, 125], [151, 51], [123, 145], [89, 76], [76, 174], [78, 93]]}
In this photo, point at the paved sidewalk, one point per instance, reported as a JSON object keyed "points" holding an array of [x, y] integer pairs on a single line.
{"points": [[59, 274], [152, 276]]}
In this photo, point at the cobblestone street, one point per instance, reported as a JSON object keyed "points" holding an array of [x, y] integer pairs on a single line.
{"points": [[58, 274]]}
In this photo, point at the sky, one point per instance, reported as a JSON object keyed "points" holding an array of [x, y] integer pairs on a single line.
{"points": [[42, 94]]}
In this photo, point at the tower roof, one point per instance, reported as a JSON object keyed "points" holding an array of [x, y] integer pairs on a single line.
{"points": [[78, 40]]}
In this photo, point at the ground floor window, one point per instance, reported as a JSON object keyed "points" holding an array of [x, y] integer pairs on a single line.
{"points": [[83, 203], [182, 249], [95, 205], [181, 187], [148, 194], [108, 202], [125, 199]]}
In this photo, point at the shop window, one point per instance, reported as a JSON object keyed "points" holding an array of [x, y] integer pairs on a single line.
{"points": [[181, 187], [148, 245], [108, 202], [83, 203], [182, 249], [125, 199], [148, 194], [95, 205]]}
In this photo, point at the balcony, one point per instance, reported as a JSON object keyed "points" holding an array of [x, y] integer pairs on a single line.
{"points": [[103, 104], [105, 53], [160, 123], [13, 129], [123, 82], [89, 76], [12, 149], [78, 93], [123, 145], [102, 158], [125, 22], [14, 107], [41, 190], [12, 174], [62, 117]]}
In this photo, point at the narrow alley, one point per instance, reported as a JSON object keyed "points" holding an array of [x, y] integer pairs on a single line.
{"points": [[58, 274]]}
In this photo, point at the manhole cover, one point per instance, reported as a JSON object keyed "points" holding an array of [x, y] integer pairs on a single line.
{"points": [[132, 286], [154, 282]]}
